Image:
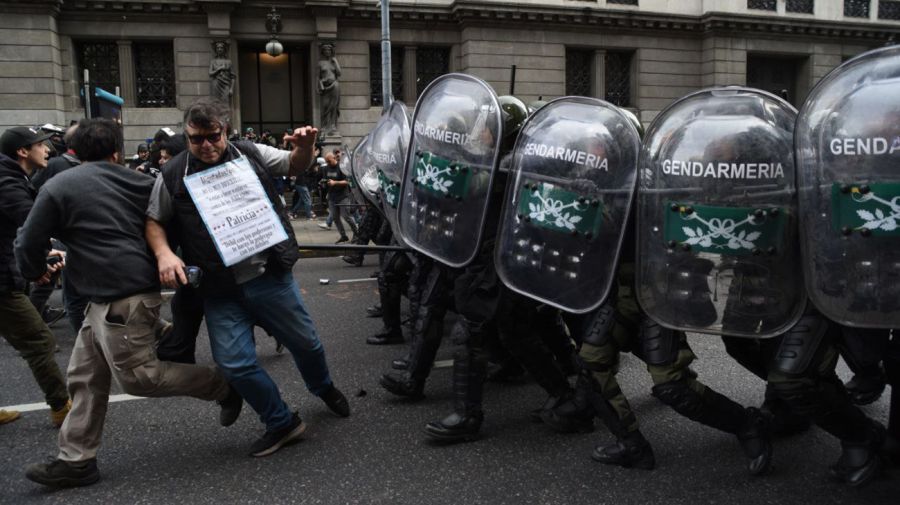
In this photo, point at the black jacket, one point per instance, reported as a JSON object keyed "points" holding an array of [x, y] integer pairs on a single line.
{"points": [[16, 198], [97, 210]]}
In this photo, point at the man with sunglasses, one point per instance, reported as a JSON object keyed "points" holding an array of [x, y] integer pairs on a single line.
{"points": [[257, 290]]}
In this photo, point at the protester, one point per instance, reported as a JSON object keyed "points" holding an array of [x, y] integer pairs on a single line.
{"points": [[110, 262], [256, 290], [22, 152], [338, 196]]}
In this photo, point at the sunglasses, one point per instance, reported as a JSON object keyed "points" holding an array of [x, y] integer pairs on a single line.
{"points": [[212, 138]]}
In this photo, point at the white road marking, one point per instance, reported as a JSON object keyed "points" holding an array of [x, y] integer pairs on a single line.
{"points": [[28, 407]]}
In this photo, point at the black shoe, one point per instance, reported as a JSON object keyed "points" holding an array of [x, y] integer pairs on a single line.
{"points": [[51, 315], [508, 371], [356, 261], [632, 451], [374, 311], [455, 428], [756, 440], [860, 462], [342, 240], [403, 385], [59, 473], [864, 390], [231, 407], [400, 364], [271, 441], [336, 401], [786, 421], [568, 417], [386, 337]]}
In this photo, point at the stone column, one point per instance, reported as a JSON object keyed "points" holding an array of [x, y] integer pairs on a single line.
{"points": [[127, 77], [598, 80], [410, 95]]}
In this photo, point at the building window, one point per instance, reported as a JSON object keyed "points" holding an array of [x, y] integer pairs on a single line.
{"points": [[622, 2], [764, 5], [618, 78], [375, 73], [889, 10], [431, 63], [101, 60], [856, 8], [800, 6], [154, 65], [579, 67]]}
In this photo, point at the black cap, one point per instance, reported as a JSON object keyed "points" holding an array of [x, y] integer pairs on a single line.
{"points": [[20, 136]]}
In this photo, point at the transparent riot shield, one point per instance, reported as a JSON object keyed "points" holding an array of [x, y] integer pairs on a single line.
{"points": [[572, 178], [450, 168], [848, 151], [364, 175], [387, 146], [718, 245]]}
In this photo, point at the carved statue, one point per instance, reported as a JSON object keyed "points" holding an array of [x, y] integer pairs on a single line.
{"points": [[221, 78], [329, 88]]}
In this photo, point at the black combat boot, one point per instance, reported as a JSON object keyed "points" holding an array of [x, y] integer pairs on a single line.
{"points": [[400, 363], [866, 388], [751, 426], [786, 421], [401, 384], [464, 424], [390, 294], [629, 451], [575, 413], [860, 461]]}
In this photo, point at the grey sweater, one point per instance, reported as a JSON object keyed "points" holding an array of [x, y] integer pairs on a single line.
{"points": [[97, 210]]}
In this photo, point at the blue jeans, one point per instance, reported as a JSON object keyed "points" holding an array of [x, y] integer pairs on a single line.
{"points": [[274, 302], [303, 199]]}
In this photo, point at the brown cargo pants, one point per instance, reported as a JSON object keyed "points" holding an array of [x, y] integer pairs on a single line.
{"points": [[117, 340]]}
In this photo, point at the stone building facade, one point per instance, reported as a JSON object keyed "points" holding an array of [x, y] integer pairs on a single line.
{"points": [[642, 54]]}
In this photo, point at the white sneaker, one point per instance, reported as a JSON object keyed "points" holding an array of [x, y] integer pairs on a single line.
{"points": [[324, 226]]}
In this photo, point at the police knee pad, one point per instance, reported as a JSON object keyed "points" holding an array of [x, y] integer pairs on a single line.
{"points": [[658, 344], [680, 397], [601, 325], [801, 343]]}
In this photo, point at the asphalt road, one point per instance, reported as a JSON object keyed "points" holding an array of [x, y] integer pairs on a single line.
{"points": [[174, 451]]}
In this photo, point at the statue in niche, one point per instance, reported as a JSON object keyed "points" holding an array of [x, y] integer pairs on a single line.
{"points": [[221, 77], [329, 88]]}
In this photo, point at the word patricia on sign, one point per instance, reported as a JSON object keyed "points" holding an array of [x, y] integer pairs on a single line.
{"points": [[234, 206]]}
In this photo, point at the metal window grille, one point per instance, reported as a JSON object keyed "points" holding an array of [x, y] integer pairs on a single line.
{"points": [[889, 10], [618, 78], [154, 65], [765, 5], [622, 2], [101, 59], [579, 67], [800, 6], [375, 73], [856, 8], [431, 63]]}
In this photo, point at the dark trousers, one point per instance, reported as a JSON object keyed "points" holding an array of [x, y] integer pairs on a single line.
{"points": [[22, 326]]}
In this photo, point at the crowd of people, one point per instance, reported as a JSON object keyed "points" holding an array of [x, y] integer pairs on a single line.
{"points": [[139, 232], [145, 228]]}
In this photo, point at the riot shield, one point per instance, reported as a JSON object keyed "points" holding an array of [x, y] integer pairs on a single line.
{"points": [[718, 246], [848, 147], [386, 149], [450, 168], [364, 176], [571, 183]]}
